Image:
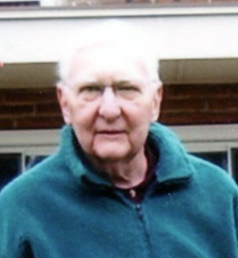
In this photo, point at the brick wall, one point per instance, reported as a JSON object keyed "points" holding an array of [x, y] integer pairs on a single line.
{"points": [[29, 109], [182, 105], [200, 104]]}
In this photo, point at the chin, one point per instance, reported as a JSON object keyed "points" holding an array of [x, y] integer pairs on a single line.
{"points": [[111, 156], [110, 150]]}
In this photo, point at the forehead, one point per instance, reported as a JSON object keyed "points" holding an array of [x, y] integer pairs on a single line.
{"points": [[106, 62]]}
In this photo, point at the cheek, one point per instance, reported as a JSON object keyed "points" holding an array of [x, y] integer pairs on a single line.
{"points": [[83, 114], [140, 113], [83, 121], [139, 119]]}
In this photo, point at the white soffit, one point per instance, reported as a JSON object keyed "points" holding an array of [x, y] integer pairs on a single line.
{"points": [[180, 33]]}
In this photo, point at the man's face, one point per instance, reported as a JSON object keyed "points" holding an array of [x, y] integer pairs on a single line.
{"points": [[110, 103]]}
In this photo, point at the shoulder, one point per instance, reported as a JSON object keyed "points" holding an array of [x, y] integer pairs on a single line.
{"points": [[212, 176], [25, 186], [204, 174]]}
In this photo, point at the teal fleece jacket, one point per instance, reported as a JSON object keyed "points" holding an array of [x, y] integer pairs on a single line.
{"points": [[62, 208]]}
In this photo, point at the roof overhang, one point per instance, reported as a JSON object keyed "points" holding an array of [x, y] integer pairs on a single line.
{"points": [[178, 71]]}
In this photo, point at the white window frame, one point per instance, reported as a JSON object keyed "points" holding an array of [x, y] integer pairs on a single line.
{"points": [[29, 142], [210, 138]]}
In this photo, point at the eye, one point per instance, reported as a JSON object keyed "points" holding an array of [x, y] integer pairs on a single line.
{"points": [[90, 88], [90, 92], [127, 90]]}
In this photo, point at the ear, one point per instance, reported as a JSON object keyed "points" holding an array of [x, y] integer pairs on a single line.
{"points": [[157, 104], [62, 96]]}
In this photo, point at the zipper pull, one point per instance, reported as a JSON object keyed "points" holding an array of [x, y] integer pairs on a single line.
{"points": [[132, 193]]}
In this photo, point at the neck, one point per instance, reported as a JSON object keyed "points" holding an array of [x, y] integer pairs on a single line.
{"points": [[125, 173]]}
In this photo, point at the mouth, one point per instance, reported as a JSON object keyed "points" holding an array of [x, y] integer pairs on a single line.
{"points": [[111, 132]]}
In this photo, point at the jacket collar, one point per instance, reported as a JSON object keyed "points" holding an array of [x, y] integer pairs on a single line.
{"points": [[172, 165]]}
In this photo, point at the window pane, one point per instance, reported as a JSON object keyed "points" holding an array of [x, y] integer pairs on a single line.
{"points": [[19, 3], [234, 163], [218, 158], [31, 161], [10, 167]]}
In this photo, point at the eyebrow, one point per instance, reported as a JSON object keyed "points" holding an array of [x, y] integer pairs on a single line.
{"points": [[118, 83], [122, 82], [88, 84]]}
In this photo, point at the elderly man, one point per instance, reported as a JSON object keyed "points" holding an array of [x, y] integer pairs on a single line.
{"points": [[121, 185]]}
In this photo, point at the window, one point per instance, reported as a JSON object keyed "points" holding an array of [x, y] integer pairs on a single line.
{"points": [[17, 3], [31, 161], [13, 164], [219, 158], [215, 143], [20, 150], [10, 167], [234, 158]]}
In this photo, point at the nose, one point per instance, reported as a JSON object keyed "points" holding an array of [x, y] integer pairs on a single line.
{"points": [[109, 107]]}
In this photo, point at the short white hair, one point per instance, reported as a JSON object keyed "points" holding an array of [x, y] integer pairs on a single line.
{"points": [[129, 38]]}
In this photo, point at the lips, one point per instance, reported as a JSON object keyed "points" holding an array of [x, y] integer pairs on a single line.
{"points": [[111, 132], [111, 136]]}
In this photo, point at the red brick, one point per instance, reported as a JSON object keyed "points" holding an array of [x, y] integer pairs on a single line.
{"points": [[15, 110], [7, 123], [198, 118], [199, 91], [182, 105], [176, 105], [225, 104], [51, 108], [29, 95], [40, 122]]}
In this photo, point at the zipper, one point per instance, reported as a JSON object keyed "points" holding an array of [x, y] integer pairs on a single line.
{"points": [[139, 211], [137, 206]]}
